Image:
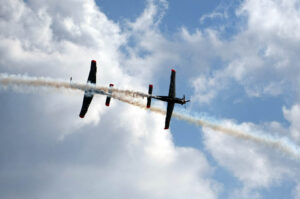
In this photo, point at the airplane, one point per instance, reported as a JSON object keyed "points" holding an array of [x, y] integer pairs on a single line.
{"points": [[171, 99], [89, 93]]}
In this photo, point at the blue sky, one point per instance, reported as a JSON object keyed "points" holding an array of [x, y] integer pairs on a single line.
{"points": [[188, 14], [236, 60]]}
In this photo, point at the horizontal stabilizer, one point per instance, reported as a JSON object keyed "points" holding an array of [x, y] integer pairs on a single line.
{"points": [[107, 102], [149, 98]]}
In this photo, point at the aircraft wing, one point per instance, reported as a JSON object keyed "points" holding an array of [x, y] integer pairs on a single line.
{"points": [[172, 92], [85, 105], [93, 71], [88, 94], [169, 114]]}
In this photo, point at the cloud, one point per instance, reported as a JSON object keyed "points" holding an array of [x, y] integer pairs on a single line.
{"points": [[292, 115], [46, 150], [256, 166], [122, 151], [297, 192], [206, 88], [261, 59]]}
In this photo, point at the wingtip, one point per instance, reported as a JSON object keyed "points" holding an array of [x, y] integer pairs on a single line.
{"points": [[81, 116], [93, 61], [173, 70], [166, 128]]}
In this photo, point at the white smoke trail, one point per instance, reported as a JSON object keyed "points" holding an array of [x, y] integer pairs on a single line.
{"points": [[20, 80], [281, 144], [130, 97]]}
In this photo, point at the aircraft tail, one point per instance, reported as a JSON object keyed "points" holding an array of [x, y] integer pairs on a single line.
{"points": [[88, 95], [149, 98], [107, 102]]}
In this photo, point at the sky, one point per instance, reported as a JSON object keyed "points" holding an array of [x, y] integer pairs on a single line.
{"points": [[237, 60]]}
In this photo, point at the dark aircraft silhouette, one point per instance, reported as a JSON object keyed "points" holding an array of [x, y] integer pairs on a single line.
{"points": [[89, 93], [171, 99]]}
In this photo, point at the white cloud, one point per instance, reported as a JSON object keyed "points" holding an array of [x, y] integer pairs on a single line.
{"points": [[262, 57], [256, 166], [293, 115], [297, 192], [123, 151], [117, 152], [206, 89]]}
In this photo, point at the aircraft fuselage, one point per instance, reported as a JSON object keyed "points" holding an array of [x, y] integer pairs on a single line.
{"points": [[174, 100]]}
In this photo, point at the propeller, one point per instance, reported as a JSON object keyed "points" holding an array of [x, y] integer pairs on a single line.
{"points": [[185, 101]]}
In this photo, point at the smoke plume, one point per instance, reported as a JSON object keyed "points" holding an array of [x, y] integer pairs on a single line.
{"points": [[134, 98]]}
